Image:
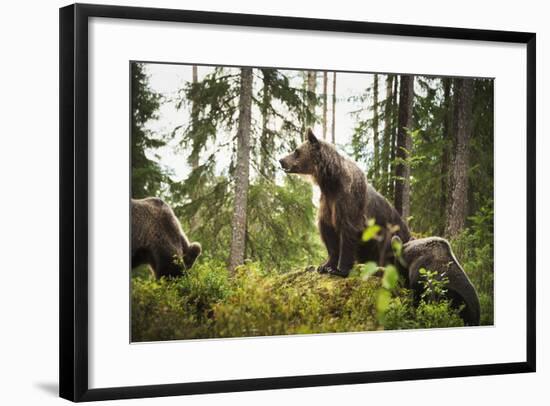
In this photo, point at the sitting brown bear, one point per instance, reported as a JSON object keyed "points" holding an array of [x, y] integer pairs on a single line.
{"points": [[347, 202], [157, 238], [435, 254]]}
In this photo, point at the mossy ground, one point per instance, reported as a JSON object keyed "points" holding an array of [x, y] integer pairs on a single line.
{"points": [[207, 302]]}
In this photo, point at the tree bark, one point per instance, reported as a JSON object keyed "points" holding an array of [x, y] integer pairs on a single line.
{"points": [[391, 183], [266, 141], [325, 82], [386, 136], [462, 123], [404, 144], [447, 106], [376, 141], [311, 97], [194, 157], [238, 223], [334, 108]]}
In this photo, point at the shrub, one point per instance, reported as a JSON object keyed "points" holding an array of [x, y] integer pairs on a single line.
{"points": [[474, 250], [207, 302]]}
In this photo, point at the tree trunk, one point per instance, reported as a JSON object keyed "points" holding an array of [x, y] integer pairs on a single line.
{"points": [[404, 144], [462, 124], [238, 223], [334, 108], [386, 137], [376, 141], [194, 157], [447, 105], [391, 185], [311, 97], [266, 141], [325, 82]]}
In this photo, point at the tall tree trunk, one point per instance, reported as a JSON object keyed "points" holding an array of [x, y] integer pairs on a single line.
{"points": [[194, 157], [325, 82], [238, 223], [311, 97], [391, 185], [386, 137], [334, 108], [266, 141], [447, 105], [404, 144], [375, 139], [462, 124]]}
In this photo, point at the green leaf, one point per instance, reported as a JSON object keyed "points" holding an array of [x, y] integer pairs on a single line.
{"points": [[391, 277], [397, 247], [383, 299], [368, 269], [370, 232]]}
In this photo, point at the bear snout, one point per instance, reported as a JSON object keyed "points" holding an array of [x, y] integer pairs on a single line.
{"points": [[284, 164]]}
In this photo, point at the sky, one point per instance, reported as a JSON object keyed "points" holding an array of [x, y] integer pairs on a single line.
{"points": [[167, 79]]}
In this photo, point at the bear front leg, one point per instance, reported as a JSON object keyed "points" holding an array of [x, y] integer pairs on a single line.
{"points": [[332, 243], [348, 245]]}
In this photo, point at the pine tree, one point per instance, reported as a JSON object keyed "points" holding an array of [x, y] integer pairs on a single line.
{"points": [[325, 82], [311, 97], [334, 108], [386, 141], [376, 141], [194, 156], [404, 145], [462, 121], [147, 175], [238, 223], [393, 147]]}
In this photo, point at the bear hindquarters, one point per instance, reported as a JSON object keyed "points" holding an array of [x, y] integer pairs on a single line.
{"points": [[435, 254], [158, 240], [461, 291]]}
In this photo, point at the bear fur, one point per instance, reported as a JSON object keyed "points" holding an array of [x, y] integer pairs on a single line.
{"points": [[435, 254], [157, 238], [347, 202]]}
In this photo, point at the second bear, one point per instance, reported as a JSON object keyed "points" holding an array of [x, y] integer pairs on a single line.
{"points": [[158, 240]]}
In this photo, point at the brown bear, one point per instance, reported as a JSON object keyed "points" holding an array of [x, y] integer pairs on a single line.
{"points": [[347, 202], [435, 254], [157, 238]]}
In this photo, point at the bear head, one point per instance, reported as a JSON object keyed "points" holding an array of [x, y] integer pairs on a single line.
{"points": [[302, 160]]}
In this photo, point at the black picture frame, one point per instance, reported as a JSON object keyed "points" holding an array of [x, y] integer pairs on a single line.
{"points": [[73, 278]]}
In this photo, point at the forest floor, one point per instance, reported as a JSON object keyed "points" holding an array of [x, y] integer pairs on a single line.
{"points": [[207, 302]]}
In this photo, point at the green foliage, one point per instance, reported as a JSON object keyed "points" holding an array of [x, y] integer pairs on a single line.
{"points": [[147, 175], [169, 309], [272, 294], [281, 230], [474, 249], [432, 311], [433, 287], [206, 302]]}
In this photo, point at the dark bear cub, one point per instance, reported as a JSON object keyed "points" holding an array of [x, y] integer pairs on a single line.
{"points": [[435, 254], [347, 202], [157, 238]]}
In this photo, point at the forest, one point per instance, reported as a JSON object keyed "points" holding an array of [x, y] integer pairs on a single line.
{"points": [[207, 140]]}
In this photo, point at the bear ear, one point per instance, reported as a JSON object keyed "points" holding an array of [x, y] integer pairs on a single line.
{"points": [[311, 137]]}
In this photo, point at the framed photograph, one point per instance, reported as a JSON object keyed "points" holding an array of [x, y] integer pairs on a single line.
{"points": [[257, 202]]}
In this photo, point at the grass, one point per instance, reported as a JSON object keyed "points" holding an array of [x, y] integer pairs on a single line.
{"points": [[207, 303]]}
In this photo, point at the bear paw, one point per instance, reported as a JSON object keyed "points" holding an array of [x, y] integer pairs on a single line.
{"points": [[324, 268], [337, 272]]}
